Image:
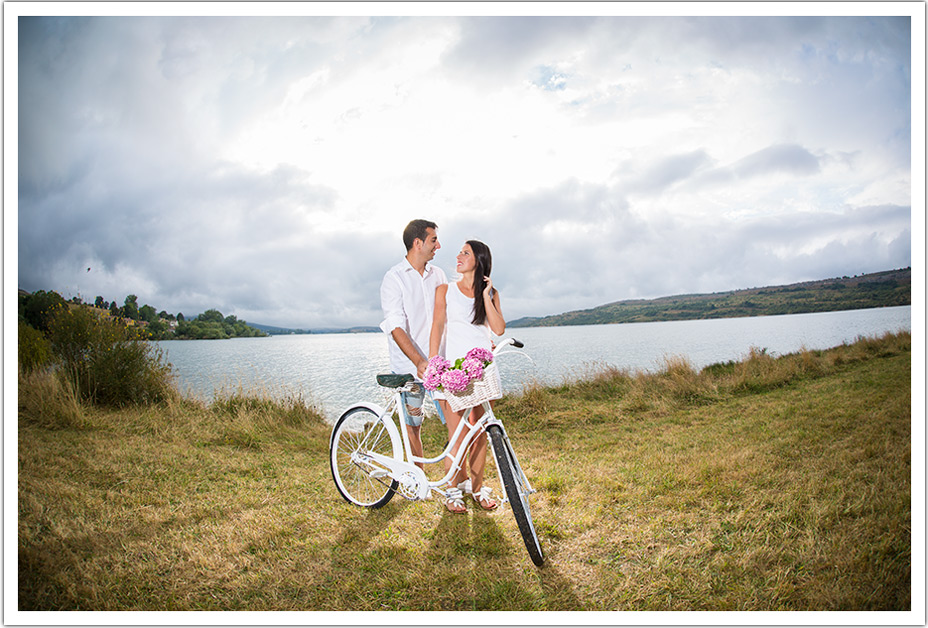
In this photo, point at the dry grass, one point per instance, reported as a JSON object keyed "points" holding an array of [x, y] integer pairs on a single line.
{"points": [[767, 484], [49, 401]]}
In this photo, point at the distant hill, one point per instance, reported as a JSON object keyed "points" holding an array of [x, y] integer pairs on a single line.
{"points": [[888, 288]]}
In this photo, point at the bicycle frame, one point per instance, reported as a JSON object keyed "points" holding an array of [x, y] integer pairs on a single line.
{"points": [[406, 472], [372, 460]]}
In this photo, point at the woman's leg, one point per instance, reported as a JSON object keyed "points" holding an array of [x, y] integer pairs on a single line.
{"points": [[478, 462], [452, 420]]}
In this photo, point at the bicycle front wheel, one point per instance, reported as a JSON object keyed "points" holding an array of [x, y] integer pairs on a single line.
{"points": [[359, 479], [516, 491]]}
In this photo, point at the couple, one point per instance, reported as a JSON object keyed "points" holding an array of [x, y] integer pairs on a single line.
{"points": [[425, 316]]}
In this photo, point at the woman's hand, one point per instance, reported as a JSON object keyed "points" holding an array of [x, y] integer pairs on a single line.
{"points": [[494, 315], [488, 290]]}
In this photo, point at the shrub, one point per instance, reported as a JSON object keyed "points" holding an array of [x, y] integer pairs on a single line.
{"points": [[34, 350], [107, 362]]}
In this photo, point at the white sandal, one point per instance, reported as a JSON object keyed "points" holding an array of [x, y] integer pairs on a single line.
{"points": [[454, 501], [483, 495]]}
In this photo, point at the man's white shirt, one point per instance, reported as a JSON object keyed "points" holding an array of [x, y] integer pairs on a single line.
{"points": [[408, 302]]}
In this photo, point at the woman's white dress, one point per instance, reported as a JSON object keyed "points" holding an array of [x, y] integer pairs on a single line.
{"points": [[461, 335]]}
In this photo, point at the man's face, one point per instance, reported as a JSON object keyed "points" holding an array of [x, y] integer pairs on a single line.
{"points": [[431, 245]]}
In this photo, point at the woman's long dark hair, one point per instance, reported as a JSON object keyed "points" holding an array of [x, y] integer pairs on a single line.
{"points": [[484, 261]]}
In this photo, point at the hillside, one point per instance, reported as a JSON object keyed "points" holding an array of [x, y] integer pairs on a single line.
{"points": [[887, 288]]}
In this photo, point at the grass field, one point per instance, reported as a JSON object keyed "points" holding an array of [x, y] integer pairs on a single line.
{"points": [[773, 483]]}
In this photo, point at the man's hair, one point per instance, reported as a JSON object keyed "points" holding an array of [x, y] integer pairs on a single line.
{"points": [[417, 229]]}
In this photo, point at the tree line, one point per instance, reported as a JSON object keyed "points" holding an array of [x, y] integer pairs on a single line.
{"points": [[37, 308]]}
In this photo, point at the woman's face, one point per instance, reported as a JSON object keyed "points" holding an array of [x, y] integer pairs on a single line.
{"points": [[466, 261]]}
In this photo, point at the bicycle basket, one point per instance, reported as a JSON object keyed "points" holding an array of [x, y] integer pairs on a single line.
{"points": [[478, 391]]}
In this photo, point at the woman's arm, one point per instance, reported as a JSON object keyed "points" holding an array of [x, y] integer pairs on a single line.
{"points": [[439, 317], [494, 314]]}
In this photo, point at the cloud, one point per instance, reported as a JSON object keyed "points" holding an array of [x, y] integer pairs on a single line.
{"points": [[265, 166], [504, 48], [669, 170], [576, 246], [790, 159]]}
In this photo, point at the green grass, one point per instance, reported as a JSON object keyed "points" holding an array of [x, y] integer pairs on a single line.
{"points": [[767, 484]]}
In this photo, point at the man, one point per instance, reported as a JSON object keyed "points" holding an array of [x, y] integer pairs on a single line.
{"points": [[407, 296]]}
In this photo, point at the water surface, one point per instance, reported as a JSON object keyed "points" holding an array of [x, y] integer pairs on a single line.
{"points": [[333, 371]]}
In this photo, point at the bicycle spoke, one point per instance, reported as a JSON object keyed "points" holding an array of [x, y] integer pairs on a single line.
{"points": [[358, 433]]}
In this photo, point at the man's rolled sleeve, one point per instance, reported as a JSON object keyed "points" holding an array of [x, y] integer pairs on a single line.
{"points": [[391, 300]]}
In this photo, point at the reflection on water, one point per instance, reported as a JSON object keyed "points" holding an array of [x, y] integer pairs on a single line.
{"points": [[332, 371]]}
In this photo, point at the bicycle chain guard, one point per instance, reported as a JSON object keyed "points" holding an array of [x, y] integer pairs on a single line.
{"points": [[408, 485], [412, 482]]}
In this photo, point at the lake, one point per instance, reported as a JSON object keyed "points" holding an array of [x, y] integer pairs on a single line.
{"points": [[332, 371]]}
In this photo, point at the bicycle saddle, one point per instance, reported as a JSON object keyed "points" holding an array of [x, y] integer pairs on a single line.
{"points": [[393, 380]]}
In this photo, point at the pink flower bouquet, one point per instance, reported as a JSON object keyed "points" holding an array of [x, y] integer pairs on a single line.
{"points": [[455, 378]]}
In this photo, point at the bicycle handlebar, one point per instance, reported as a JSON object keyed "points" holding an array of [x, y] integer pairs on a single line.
{"points": [[406, 383], [505, 343]]}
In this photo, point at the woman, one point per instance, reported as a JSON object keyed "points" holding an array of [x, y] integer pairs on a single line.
{"points": [[466, 312]]}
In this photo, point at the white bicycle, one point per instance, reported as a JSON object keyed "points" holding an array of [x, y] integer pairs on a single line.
{"points": [[371, 459]]}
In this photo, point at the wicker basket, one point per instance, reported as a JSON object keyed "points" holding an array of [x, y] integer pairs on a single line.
{"points": [[478, 391]]}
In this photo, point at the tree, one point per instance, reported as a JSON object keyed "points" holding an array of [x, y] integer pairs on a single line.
{"points": [[157, 329], [147, 313], [210, 316], [180, 317], [99, 302], [114, 309], [38, 308], [131, 308]]}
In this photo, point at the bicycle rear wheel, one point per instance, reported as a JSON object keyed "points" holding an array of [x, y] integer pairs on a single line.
{"points": [[360, 480], [516, 491]]}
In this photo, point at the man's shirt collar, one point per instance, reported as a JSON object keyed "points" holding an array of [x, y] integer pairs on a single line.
{"points": [[410, 267]]}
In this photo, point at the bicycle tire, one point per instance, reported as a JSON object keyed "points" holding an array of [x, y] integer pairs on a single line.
{"points": [[516, 492], [359, 429]]}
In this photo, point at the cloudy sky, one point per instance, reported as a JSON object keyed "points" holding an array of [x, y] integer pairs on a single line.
{"points": [[266, 166]]}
